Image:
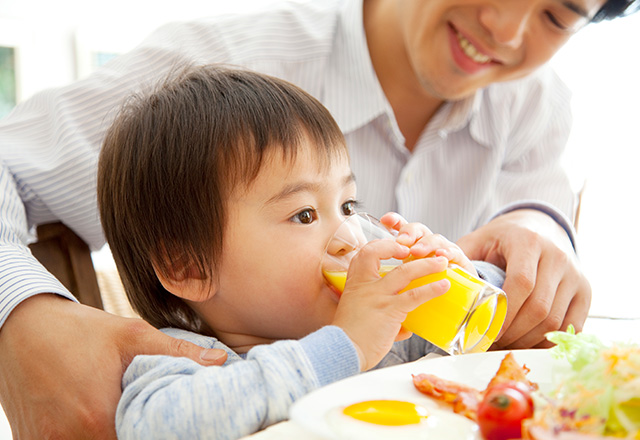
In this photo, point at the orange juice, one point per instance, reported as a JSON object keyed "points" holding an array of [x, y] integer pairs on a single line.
{"points": [[464, 320]]}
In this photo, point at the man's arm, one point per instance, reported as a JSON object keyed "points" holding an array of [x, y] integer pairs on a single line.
{"points": [[544, 283], [61, 362]]}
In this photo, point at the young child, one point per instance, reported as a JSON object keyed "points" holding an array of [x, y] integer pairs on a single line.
{"points": [[218, 194]]}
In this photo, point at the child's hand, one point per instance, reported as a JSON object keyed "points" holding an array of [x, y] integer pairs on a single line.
{"points": [[370, 310], [424, 243]]}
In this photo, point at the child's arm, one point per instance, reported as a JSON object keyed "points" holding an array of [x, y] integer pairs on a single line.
{"points": [[167, 397]]}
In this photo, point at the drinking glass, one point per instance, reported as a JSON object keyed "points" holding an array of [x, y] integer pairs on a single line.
{"points": [[466, 319]]}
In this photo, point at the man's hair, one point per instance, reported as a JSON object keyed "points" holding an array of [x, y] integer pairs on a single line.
{"points": [[170, 161], [616, 8]]}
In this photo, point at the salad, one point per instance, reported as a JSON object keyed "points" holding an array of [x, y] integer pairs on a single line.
{"points": [[598, 388]]}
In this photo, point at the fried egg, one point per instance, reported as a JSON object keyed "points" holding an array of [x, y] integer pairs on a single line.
{"points": [[396, 419]]}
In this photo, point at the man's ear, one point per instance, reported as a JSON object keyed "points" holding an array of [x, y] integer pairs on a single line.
{"points": [[186, 282]]}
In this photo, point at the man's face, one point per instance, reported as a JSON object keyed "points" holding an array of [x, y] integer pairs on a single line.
{"points": [[456, 47]]}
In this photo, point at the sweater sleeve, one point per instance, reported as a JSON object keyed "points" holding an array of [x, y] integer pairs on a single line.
{"points": [[175, 398]]}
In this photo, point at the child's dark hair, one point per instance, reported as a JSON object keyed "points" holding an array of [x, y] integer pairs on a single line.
{"points": [[616, 8], [172, 158]]}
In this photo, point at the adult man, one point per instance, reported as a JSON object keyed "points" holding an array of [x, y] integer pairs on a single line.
{"points": [[449, 120]]}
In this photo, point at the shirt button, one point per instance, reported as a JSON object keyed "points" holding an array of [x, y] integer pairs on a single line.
{"points": [[443, 134]]}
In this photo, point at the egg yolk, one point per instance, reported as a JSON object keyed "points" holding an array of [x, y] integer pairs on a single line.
{"points": [[387, 412]]}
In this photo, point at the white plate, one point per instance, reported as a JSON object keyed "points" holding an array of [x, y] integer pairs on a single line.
{"points": [[395, 383]]}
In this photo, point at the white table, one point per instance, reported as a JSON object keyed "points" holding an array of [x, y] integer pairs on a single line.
{"points": [[607, 329]]}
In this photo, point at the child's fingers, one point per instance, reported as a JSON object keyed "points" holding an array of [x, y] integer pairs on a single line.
{"points": [[403, 334], [437, 245], [417, 296], [457, 256], [366, 262], [408, 233], [393, 220], [429, 244], [400, 277], [412, 233]]}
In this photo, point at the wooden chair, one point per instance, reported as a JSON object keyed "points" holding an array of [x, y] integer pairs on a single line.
{"points": [[68, 258]]}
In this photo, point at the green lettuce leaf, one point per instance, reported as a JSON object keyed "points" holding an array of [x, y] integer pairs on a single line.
{"points": [[599, 383]]}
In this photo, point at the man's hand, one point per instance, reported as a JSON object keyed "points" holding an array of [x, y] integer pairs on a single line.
{"points": [[545, 286], [61, 365]]}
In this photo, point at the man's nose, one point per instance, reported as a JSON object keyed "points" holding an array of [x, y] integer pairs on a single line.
{"points": [[507, 21]]}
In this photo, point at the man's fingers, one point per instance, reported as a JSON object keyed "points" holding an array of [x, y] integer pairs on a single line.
{"points": [[204, 356], [570, 307], [519, 284], [75, 391], [58, 377], [546, 318], [143, 338], [544, 285], [541, 298], [467, 244], [545, 308]]}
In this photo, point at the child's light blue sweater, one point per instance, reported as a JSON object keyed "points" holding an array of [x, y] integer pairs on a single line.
{"points": [[175, 398]]}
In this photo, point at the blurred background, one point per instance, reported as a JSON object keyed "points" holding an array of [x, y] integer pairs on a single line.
{"points": [[45, 44]]}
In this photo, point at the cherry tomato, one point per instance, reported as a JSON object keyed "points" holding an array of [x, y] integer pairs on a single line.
{"points": [[502, 410]]}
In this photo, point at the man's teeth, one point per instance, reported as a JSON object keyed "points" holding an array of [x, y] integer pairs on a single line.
{"points": [[471, 51]]}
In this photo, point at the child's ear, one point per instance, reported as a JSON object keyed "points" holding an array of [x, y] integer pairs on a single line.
{"points": [[186, 282]]}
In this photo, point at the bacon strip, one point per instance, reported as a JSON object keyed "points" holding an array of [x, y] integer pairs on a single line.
{"points": [[511, 371], [465, 399]]}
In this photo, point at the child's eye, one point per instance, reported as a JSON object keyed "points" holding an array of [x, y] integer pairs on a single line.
{"points": [[305, 217], [349, 208]]}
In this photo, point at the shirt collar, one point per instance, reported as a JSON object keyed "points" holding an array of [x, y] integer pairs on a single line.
{"points": [[459, 113], [353, 93], [466, 113]]}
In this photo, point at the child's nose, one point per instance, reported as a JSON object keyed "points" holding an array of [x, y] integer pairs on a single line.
{"points": [[342, 243]]}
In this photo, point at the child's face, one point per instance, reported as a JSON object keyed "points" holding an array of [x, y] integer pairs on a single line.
{"points": [[270, 283]]}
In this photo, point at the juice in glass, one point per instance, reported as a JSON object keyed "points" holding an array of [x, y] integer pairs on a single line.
{"points": [[466, 319]]}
